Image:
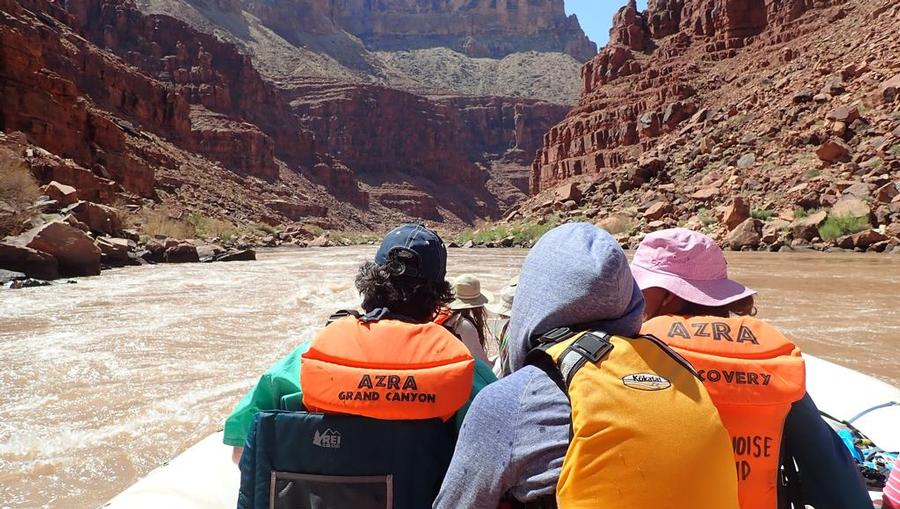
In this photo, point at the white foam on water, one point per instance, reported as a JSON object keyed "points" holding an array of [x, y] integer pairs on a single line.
{"points": [[107, 378]]}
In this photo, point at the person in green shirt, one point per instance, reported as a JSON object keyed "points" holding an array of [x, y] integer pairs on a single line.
{"points": [[408, 277]]}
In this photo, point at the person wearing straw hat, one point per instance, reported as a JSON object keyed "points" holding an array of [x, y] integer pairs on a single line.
{"points": [[755, 375], [501, 307], [467, 318]]}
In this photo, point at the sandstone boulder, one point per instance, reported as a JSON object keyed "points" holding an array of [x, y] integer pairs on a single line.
{"points": [[568, 192], [887, 192], [60, 193], [866, 238], [28, 261], [616, 224], [890, 89], [851, 207], [113, 251], [75, 223], [773, 231], [893, 230], [807, 228], [155, 251], [859, 190], [833, 150], [210, 252], [736, 213], [803, 96], [244, 255], [73, 249], [746, 160], [845, 114], [99, 218], [746, 235], [706, 194], [657, 211], [182, 253], [320, 241]]}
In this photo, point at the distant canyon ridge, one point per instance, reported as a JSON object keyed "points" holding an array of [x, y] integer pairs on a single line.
{"points": [[344, 114]]}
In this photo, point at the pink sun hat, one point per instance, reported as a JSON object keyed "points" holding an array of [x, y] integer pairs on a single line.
{"points": [[687, 263]]}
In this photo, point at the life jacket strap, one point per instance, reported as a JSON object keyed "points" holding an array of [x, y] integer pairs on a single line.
{"points": [[342, 313], [589, 346]]}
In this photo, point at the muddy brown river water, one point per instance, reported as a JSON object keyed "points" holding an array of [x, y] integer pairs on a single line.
{"points": [[106, 379]]}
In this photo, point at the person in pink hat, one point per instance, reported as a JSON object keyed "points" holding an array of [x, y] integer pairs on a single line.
{"points": [[892, 489], [784, 451]]}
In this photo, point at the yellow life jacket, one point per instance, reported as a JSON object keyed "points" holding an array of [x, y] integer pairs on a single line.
{"points": [[753, 374], [645, 432]]}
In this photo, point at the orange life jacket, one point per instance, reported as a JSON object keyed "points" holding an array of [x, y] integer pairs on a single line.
{"points": [[753, 374], [386, 369], [443, 315]]}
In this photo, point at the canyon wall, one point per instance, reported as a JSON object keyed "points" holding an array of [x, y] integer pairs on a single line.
{"points": [[479, 28], [653, 76], [167, 113]]}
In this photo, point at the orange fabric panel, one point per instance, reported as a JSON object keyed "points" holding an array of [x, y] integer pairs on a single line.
{"points": [[442, 316], [753, 374], [756, 442], [388, 370], [742, 337]]}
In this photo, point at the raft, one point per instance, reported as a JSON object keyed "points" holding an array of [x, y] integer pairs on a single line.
{"points": [[204, 477]]}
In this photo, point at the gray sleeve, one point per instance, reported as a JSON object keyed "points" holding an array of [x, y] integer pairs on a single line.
{"points": [[543, 429], [514, 440], [480, 473]]}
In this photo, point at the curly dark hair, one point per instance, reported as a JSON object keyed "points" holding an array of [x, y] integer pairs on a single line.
{"points": [[415, 298]]}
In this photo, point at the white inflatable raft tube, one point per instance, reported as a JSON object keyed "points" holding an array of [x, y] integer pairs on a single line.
{"points": [[204, 477]]}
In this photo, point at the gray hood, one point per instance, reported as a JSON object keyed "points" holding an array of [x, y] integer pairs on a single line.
{"points": [[576, 273]]}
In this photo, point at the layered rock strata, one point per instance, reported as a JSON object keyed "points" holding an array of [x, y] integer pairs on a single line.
{"points": [[658, 71]]}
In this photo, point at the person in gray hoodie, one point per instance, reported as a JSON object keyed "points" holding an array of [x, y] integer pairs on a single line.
{"points": [[515, 437]]}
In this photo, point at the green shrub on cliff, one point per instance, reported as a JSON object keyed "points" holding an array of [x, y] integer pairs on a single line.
{"points": [[159, 222], [18, 191], [836, 227], [522, 233], [210, 228], [762, 215]]}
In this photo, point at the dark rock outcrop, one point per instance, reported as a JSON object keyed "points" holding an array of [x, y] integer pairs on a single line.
{"points": [[30, 262], [73, 249]]}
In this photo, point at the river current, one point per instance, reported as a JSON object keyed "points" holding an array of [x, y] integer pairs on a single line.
{"points": [[105, 379]]}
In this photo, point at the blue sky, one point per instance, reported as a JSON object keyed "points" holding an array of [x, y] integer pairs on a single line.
{"points": [[596, 16]]}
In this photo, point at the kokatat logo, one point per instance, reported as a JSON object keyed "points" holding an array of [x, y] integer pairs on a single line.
{"points": [[646, 382], [330, 439]]}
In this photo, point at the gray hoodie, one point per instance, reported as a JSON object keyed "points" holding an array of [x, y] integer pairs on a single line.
{"points": [[516, 433]]}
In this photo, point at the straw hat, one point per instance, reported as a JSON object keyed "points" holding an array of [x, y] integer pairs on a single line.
{"points": [[468, 293], [502, 306]]}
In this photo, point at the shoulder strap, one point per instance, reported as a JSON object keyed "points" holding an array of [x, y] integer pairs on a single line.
{"points": [[587, 346], [672, 353], [342, 313]]}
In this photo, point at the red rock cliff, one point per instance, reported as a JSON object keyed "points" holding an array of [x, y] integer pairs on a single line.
{"points": [[479, 28], [650, 77]]}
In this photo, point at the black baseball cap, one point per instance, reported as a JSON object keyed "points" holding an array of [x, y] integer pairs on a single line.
{"points": [[420, 252]]}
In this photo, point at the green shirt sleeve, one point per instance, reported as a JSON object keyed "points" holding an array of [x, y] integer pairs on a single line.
{"points": [[278, 389], [484, 375]]}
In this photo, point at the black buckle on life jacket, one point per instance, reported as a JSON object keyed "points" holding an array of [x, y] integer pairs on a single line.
{"points": [[343, 313], [556, 335], [593, 345]]}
